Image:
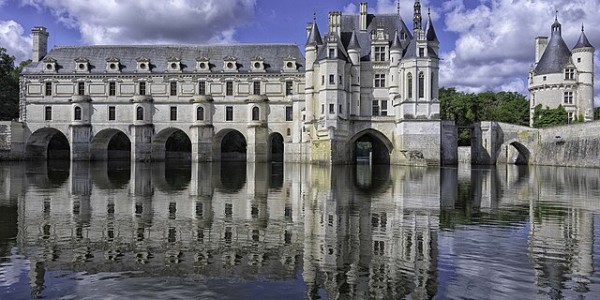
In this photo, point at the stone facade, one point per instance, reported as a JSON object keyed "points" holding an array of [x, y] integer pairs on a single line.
{"points": [[369, 79], [562, 76]]}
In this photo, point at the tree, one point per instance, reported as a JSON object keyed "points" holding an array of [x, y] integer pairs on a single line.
{"points": [[547, 117], [597, 113], [9, 85]]}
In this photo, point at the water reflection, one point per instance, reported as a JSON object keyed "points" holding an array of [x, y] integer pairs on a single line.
{"points": [[343, 232]]}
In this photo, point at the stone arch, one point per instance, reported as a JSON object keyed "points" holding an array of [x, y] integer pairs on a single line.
{"points": [[379, 150], [276, 147], [110, 144], [171, 143], [47, 143], [514, 152], [230, 145]]}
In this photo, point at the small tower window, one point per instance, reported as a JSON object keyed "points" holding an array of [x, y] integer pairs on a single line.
{"points": [[80, 88], [229, 113], [77, 113], [331, 53], [48, 113], [256, 86], [140, 113], [289, 115], [202, 88], [331, 108], [421, 52], [112, 88], [48, 91], [173, 90], [111, 113], [409, 85], [331, 79], [229, 88], [568, 97], [255, 114], [200, 113], [173, 113], [421, 85], [142, 88], [288, 87], [569, 74]]}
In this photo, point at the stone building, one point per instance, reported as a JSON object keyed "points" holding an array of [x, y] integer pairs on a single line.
{"points": [[370, 80], [562, 76]]}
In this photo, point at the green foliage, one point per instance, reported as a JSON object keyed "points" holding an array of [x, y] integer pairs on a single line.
{"points": [[9, 85], [547, 117], [466, 109], [597, 113]]}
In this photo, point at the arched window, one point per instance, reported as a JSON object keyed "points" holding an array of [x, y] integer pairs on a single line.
{"points": [[431, 87], [255, 113], [421, 85], [140, 113], [77, 113], [409, 85], [200, 113]]}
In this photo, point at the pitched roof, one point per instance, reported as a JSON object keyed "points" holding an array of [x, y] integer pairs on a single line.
{"points": [[556, 56], [390, 24], [159, 55]]}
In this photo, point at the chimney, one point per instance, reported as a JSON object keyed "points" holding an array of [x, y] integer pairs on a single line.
{"points": [[335, 22], [40, 43], [540, 46], [363, 16]]}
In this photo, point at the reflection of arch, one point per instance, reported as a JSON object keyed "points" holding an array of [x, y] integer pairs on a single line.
{"points": [[276, 147], [232, 177], [48, 143], [372, 180], [520, 157], [371, 143], [110, 175], [231, 145], [110, 144], [171, 177], [171, 143], [48, 175]]}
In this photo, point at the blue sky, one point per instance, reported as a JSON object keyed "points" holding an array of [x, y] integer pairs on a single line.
{"points": [[485, 44]]}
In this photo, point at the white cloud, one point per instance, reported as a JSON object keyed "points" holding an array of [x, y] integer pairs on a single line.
{"points": [[350, 9], [151, 22], [495, 45], [13, 39]]}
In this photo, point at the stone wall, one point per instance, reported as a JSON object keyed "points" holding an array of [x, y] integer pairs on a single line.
{"points": [[576, 145]]}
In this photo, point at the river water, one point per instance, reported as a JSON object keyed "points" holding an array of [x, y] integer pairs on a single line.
{"points": [[272, 231]]}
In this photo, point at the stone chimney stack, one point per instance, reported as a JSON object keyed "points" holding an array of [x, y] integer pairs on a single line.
{"points": [[541, 42], [363, 16], [40, 43]]}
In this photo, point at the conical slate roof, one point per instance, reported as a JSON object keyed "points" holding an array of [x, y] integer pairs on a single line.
{"points": [[353, 44], [396, 44], [430, 31], [583, 41], [314, 38], [556, 56]]}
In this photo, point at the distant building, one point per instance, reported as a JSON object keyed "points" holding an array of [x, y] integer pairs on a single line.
{"points": [[368, 80], [562, 76]]}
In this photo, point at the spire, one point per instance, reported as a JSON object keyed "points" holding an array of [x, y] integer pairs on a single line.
{"points": [[396, 42], [398, 7], [353, 44], [556, 56], [429, 30], [417, 20], [583, 41], [314, 38], [556, 27]]}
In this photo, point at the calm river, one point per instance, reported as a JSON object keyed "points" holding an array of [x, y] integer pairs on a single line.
{"points": [[272, 231]]}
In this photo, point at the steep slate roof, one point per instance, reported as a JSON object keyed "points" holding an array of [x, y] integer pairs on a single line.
{"points": [[556, 56], [353, 44], [583, 41], [314, 38], [430, 31], [390, 24], [273, 55], [411, 50]]}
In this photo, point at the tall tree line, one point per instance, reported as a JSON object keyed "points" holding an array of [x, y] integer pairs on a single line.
{"points": [[9, 85]]}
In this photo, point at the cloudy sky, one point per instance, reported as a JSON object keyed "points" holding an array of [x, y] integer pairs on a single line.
{"points": [[485, 44]]}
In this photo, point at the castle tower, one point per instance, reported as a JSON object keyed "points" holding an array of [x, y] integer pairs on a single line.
{"points": [[583, 59], [40, 43]]}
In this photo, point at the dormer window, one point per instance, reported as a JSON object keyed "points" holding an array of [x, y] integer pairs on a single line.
{"points": [[202, 64], [174, 64], [379, 53], [258, 64], [113, 65], [569, 73], [143, 65], [49, 65], [289, 64], [332, 53], [230, 64], [82, 65]]}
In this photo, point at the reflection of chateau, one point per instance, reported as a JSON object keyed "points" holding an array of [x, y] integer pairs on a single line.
{"points": [[374, 240]]}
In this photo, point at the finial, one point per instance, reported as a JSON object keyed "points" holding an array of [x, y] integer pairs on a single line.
{"points": [[582, 29], [314, 15], [398, 7], [429, 11], [556, 16]]}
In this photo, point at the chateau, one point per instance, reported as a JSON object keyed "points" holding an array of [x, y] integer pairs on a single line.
{"points": [[370, 80], [563, 77]]}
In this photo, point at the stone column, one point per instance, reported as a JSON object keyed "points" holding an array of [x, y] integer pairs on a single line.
{"points": [[258, 148], [202, 140], [80, 136], [141, 145]]}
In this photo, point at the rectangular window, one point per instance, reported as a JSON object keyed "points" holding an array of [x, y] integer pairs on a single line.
{"points": [[384, 107], [289, 113], [288, 88], [229, 113], [571, 117], [229, 88], [173, 113], [80, 88], [331, 53], [332, 108], [256, 90], [323, 80], [331, 79], [112, 113], [142, 88], [322, 108], [112, 88], [173, 88], [569, 74], [568, 98], [379, 53], [341, 79], [48, 113], [379, 80], [421, 52], [48, 89], [375, 108], [202, 88]]}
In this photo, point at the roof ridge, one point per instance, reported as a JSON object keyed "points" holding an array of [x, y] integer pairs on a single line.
{"points": [[171, 45]]}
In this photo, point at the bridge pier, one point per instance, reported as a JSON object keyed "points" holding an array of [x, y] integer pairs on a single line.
{"points": [[80, 136], [202, 142], [141, 144], [257, 144]]}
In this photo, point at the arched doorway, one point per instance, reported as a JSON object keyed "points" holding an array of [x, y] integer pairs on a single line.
{"points": [[233, 146], [110, 145], [172, 144], [276, 147], [48, 143], [371, 146]]}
